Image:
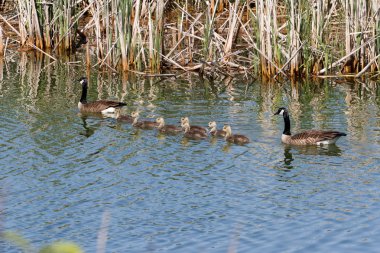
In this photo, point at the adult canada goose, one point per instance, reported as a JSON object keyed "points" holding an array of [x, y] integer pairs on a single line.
{"points": [[234, 138], [142, 124], [124, 118], [198, 128], [102, 106], [311, 137], [215, 132], [166, 128], [193, 133]]}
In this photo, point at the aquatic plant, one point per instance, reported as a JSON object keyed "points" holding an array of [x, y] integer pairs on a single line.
{"points": [[277, 38]]}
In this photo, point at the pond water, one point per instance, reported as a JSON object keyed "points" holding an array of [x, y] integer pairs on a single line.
{"points": [[81, 178]]}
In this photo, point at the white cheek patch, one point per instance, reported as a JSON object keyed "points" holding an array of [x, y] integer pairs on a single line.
{"points": [[282, 112], [81, 81]]}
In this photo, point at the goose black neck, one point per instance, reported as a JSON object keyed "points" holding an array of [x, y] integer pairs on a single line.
{"points": [[83, 98], [287, 124]]}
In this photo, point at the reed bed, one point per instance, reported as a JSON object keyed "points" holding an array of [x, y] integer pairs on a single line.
{"points": [[274, 39]]}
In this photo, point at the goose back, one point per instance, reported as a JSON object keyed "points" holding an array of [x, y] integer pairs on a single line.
{"points": [[313, 137], [237, 139], [100, 106]]}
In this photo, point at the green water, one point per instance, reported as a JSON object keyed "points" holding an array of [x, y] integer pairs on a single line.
{"points": [[65, 176]]}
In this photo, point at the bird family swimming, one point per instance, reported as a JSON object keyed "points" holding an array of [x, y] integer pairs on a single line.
{"points": [[99, 106], [311, 137]]}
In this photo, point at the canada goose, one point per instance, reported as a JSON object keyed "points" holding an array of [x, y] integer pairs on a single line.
{"points": [[142, 124], [193, 133], [198, 128], [214, 132], [166, 128], [311, 137], [124, 118], [103, 106], [234, 138]]}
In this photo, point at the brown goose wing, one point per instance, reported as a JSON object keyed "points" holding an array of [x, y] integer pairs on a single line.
{"points": [[100, 105], [314, 136], [199, 129]]}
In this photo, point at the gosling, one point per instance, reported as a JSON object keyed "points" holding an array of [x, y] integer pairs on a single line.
{"points": [[234, 138], [142, 124], [169, 129], [123, 118], [198, 128], [193, 133], [213, 130]]}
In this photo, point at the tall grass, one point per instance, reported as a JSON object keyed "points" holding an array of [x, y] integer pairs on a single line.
{"points": [[280, 38], [2, 47]]}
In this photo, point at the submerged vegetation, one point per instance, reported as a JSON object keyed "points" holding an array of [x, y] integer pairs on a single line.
{"points": [[272, 38]]}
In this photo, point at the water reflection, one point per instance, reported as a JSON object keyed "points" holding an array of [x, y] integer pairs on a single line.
{"points": [[288, 158], [163, 180], [327, 150], [88, 131], [292, 153]]}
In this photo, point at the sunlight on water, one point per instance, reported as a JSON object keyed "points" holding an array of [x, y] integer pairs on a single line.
{"points": [[61, 170]]}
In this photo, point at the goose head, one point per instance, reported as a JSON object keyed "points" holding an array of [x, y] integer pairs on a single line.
{"points": [[83, 81], [227, 129], [281, 111], [184, 120], [160, 121], [135, 114], [212, 124]]}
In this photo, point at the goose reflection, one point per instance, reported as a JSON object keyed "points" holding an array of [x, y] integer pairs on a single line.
{"points": [[289, 151], [325, 150], [88, 131], [288, 158]]}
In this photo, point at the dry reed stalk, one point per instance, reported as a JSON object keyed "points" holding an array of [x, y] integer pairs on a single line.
{"points": [[361, 26], [36, 26], [347, 56], [253, 44], [266, 16], [208, 32], [108, 33], [47, 27], [23, 20], [271, 26], [1, 83], [96, 8], [122, 16], [155, 36], [176, 46], [233, 22], [295, 20], [375, 32], [150, 37], [1, 43], [261, 37], [136, 35]]}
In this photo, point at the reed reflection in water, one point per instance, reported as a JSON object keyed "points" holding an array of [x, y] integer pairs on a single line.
{"points": [[62, 171]]}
